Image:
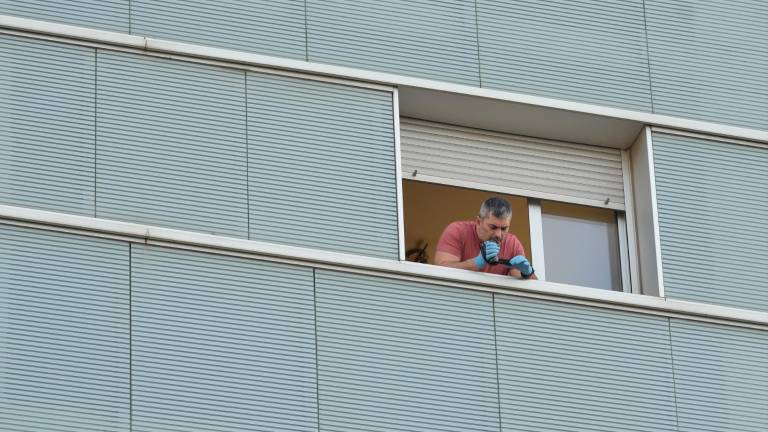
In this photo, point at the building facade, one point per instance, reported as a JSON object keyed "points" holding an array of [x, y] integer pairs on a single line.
{"points": [[209, 213]]}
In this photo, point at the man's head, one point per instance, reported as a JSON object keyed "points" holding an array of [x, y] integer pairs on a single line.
{"points": [[493, 219]]}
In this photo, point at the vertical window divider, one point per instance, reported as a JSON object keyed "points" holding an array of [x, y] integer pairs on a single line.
{"points": [[654, 210], [130, 336], [247, 160], [398, 173], [624, 253], [537, 238], [95, 128], [631, 254]]}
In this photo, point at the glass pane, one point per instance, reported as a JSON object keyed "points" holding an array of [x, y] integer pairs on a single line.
{"points": [[581, 245]]}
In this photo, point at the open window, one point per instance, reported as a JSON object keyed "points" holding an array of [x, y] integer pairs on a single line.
{"points": [[430, 207], [568, 200]]}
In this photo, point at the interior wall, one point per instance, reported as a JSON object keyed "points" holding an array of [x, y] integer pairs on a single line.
{"points": [[428, 208]]}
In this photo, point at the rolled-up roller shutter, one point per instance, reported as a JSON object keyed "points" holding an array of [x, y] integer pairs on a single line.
{"points": [[513, 164]]}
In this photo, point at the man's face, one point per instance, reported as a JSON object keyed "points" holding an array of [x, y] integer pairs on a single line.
{"points": [[492, 228]]}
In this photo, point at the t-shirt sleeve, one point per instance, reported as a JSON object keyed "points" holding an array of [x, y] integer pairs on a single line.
{"points": [[450, 241]]}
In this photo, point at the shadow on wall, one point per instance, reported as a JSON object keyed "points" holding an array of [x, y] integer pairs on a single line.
{"points": [[428, 208]]}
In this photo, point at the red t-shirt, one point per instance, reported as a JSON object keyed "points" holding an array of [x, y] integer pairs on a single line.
{"points": [[460, 239]]}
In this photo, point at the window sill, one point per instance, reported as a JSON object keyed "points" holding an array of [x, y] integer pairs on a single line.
{"points": [[425, 273]]}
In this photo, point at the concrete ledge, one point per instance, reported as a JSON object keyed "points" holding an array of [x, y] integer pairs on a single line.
{"points": [[424, 98], [181, 239]]}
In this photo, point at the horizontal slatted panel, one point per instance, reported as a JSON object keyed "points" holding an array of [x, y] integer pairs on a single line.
{"points": [[709, 60], [713, 208], [221, 343], [171, 147], [262, 26], [321, 159], [590, 51], [570, 368], [404, 356], [721, 376], [427, 39], [99, 14], [47, 102], [64, 356], [532, 167]]}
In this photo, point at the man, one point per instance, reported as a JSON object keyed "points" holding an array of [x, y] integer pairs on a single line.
{"points": [[460, 245]]}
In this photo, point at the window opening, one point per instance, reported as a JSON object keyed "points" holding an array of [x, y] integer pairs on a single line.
{"points": [[429, 208], [566, 243]]}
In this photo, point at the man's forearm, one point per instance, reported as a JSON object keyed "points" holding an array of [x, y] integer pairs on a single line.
{"points": [[464, 265], [516, 273]]}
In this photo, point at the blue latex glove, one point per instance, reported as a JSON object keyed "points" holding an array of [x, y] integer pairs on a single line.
{"points": [[519, 262], [491, 252]]}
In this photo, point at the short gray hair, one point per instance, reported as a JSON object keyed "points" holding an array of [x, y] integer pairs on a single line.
{"points": [[497, 206]]}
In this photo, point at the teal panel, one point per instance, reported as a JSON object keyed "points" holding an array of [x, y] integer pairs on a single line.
{"points": [[721, 377], [709, 60], [64, 319], [422, 38], [273, 27], [99, 14], [588, 51], [47, 97], [322, 166], [171, 147], [570, 368], [221, 343], [404, 356], [713, 207]]}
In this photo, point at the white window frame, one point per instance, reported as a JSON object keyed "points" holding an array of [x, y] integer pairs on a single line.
{"points": [[627, 231], [535, 221], [398, 173]]}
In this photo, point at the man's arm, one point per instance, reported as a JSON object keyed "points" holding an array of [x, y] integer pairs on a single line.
{"points": [[519, 265], [448, 260], [449, 251], [516, 273]]}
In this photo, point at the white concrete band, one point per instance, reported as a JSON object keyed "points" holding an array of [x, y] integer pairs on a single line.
{"points": [[389, 268], [152, 45]]}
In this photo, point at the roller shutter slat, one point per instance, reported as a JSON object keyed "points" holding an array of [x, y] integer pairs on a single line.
{"points": [[434, 40], [322, 172], [263, 26], [109, 15], [64, 351], [709, 60], [236, 353], [722, 377], [575, 369], [47, 99], [541, 167], [396, 355], [713, 208], [175, 159], [587, 51]]}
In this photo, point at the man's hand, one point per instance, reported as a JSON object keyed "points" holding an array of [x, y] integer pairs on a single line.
{"points": [[521, 263], [491, 254]]}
